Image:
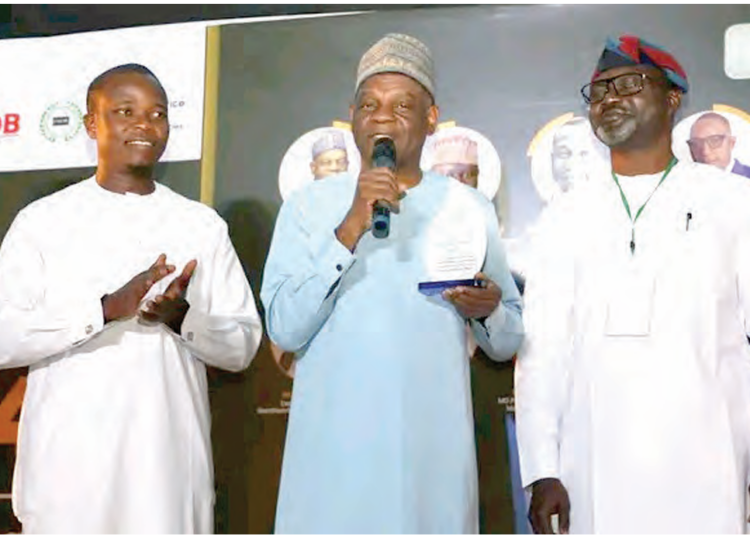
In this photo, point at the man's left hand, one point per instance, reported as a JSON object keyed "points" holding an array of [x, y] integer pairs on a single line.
{"points": [[171, 307], [475, 302]]}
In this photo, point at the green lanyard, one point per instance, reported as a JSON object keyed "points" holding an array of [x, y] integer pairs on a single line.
{"points": [[627, 205]]}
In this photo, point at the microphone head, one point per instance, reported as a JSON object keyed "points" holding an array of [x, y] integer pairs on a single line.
{"points": [[384, 153]]}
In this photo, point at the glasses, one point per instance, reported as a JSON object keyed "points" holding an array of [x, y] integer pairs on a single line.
{"points": [[712, 142], [624, 85]]}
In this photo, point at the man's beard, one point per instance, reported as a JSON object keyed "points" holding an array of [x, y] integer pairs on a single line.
{"points": [[619, 134], [141, 171]]}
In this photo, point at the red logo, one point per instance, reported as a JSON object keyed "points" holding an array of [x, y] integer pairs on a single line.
{"points": [[10, 124]]}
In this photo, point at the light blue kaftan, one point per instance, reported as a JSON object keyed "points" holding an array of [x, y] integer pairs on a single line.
{"points": [[380, 435]]}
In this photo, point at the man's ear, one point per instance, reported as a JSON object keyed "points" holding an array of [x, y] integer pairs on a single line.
{"points": [[433, 114], [674, 100], [89, 122]]}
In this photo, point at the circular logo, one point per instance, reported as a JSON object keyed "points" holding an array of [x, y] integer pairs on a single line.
{"points": [[61, 121]]}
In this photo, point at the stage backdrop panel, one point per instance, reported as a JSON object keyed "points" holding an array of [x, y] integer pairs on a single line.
{"points": [[503, 71]]}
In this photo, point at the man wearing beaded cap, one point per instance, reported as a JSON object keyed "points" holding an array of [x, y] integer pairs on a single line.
{"points": [[632, 391], [380, 435]]}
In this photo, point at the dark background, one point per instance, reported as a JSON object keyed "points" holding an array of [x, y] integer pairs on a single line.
{"points": [[22, 20]]}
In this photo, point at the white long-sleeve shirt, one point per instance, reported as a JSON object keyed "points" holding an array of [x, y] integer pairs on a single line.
{"points": [[633, 385], [115, 426]]}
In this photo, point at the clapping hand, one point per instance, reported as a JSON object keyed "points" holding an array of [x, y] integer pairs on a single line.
{"points": [[171, 307]]}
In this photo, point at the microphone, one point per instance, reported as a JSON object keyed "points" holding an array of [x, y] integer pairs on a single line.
{"points": [[383, 155]]}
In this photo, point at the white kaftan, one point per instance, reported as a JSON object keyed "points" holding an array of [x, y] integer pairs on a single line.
{"points": [[115, 426], [380, 436], [632, 385]]}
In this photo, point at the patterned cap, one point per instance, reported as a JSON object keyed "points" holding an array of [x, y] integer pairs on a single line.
{"points": [[455, 149], [632, 50], [399, 53], [330, 140]]}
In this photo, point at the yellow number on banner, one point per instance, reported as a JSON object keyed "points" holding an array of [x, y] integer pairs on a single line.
{"points": [[9, 408]]}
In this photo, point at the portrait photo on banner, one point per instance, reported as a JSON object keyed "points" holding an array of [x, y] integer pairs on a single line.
{"points": [[718, 137], [466, 155], [317, 154], [564, 154]]}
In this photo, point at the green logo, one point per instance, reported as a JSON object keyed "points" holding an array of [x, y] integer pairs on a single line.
{"points": [[61, 121]]}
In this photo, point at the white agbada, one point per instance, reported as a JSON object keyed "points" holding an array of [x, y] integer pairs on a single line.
{"points": [[380, 436], [633, 389], [115, 427]]}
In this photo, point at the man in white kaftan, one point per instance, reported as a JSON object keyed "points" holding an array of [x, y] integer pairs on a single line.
{"points": [[632, 388], [380, 436], [115, 426]]}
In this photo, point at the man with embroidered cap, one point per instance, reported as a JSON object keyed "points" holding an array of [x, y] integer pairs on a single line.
{"points": [[632, 390], [380, 436], [711, 142], [329, 155]]}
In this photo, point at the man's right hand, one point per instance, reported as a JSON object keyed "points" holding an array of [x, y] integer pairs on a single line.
{"points": [[378, 184], [124, 302], [549, 497]]}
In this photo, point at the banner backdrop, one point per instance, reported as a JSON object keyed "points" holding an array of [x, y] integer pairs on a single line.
{"points": [[43, 103]]}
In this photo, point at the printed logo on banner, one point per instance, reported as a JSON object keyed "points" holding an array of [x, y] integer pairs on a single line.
{"points": [[10, 124], [175, 105], [61, 121]]}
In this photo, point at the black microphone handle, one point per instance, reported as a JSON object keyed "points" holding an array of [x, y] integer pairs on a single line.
{"points": [[381, 220], [383, 155]]}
